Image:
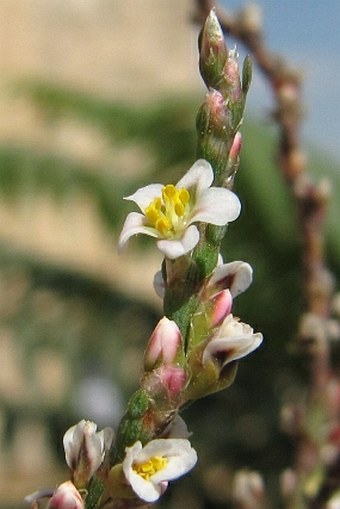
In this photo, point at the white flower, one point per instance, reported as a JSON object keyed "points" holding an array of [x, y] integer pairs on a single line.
{"points": [[169, 212], [85, 449], [148, 469], [232, 341]]}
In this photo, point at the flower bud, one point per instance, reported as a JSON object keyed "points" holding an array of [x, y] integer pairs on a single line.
{"points": [[222, 303], [66, 496], [163, 345], [213, 117], [165, 383], [85, 450], [235, 148], [232, 77], [213, 51]]}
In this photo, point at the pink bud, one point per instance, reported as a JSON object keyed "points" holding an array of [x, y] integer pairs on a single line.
{"points": [[163, 344], [222, 303], [236, 146], [173, 378], [66, 496], [217, 106], [232, 77]]}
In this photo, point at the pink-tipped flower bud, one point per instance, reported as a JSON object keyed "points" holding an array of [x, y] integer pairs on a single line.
{"points": [[164, 384], [213, 116], [232, 77], [66, 496], [213, 51], [85, 450], [235, 148], [222, 303], [173, 379], [163, 345]]}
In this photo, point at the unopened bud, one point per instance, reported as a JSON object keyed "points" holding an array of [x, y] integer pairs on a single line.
{"points": [[213, 117], [235, 149], [163, 345], [85, 450], [232, 77], [213, 51], [165, 383], [66, 496], [222, 303]]}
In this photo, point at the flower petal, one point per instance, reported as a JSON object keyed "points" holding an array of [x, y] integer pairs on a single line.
{"points": [[217, 206], [181, 458], [174, 248], [237, 276], [72, 442], [134, 223], [199, 176], [230, 348], [145, 195], [146, 490]]}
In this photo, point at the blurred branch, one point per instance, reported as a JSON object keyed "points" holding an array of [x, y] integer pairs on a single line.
{"points": [[311, 200]]}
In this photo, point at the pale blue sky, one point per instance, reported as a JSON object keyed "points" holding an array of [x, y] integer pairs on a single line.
{"points": [[307, 32]]}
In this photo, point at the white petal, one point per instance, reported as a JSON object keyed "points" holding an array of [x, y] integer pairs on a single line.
{"points": [[134, 223], [217, 206], [175, 248], [72, 441], [181, 458], [199, 176], [233, 348], [108, 437], [237, 276], [145, 195], [146, 490]]}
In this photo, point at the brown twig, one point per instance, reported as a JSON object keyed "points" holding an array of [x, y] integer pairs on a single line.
{"points": [[311, 198]]}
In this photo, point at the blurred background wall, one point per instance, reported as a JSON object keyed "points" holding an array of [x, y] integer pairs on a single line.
{"points": [[118, 51]]}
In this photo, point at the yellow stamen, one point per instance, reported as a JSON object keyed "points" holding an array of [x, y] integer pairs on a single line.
{"points": [[184, 196], [168, 213], [163, 225], [150, 467], [169, 191]]}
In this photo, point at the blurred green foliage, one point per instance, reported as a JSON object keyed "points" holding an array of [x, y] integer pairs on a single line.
{"points": [[93, 324]]}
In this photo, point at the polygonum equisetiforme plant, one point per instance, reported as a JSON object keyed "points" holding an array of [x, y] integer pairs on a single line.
{"points": [[195, 347]]}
